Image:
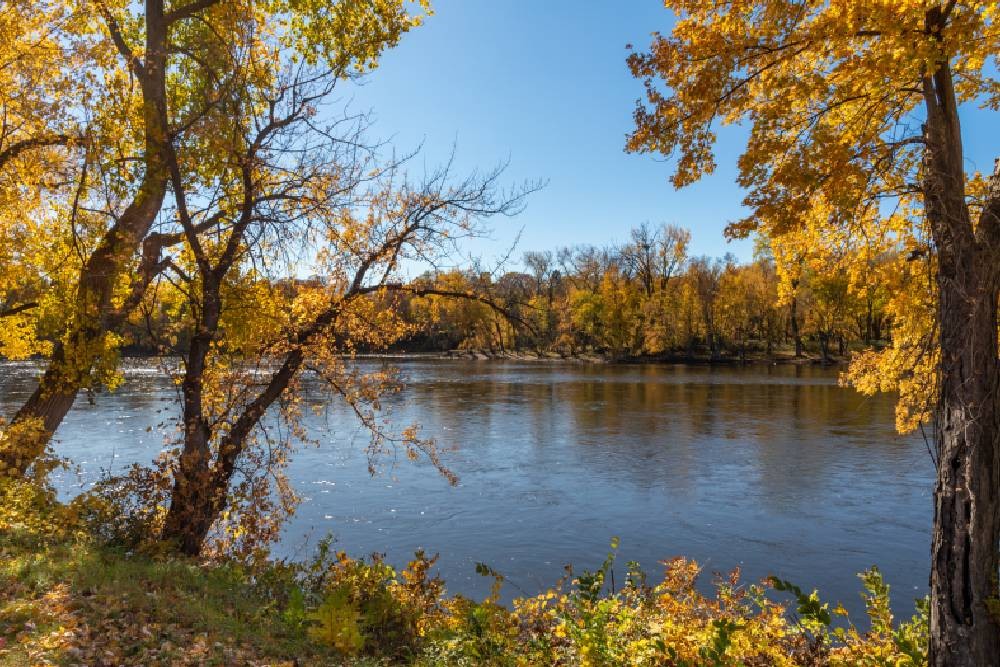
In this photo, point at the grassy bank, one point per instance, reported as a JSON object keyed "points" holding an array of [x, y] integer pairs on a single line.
{"points": [[68, 599]]}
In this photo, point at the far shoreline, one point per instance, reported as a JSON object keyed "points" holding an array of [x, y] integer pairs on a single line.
{"points": [[678, 359], [587, 358]]}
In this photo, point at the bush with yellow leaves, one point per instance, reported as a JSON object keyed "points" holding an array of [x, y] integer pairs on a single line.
{"points": [[583, 622], [367, 612]]}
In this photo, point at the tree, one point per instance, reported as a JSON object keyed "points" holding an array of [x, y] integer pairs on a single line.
{"points": [[851, 105], [705, 275], [747, 304], [547, 277], [156, 74], [228, 384], [259, 179]]}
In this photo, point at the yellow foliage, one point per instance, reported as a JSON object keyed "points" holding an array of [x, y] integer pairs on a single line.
{"points": [[833, 95]]}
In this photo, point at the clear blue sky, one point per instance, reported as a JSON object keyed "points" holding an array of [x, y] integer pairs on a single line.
{"points": [[544, 83]]}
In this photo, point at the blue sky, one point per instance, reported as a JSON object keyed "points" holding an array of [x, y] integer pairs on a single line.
{"points": [[544, 83]]}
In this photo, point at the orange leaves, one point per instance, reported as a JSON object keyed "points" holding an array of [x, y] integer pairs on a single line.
{"points": [[827, 90], [833, 96]]}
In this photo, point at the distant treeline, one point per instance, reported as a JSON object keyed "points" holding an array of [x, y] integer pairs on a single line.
{"points": [[642, 299]]}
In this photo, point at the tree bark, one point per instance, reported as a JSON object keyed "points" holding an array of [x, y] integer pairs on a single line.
{"points": [[966, 503], [824, 347], [195, 492], [964, 553]]}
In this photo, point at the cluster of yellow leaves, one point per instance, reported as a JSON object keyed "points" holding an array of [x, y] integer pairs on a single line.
{"points": [[879, 262], [31, 165], [370, 609], [832, 95]]}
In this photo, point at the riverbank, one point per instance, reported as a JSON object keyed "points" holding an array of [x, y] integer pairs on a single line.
{"points": [[68, 598], [779, 355], [677, 358]]}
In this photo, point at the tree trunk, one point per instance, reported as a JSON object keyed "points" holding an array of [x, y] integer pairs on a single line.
{"points": [[964, 556], [195, 503], [967, 494], [194, 496], [824, 347], [794, 321], [869, 323], [197, 495]]}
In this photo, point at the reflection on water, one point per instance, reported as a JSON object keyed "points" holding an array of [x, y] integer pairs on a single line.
{"points": [[773, 469]]}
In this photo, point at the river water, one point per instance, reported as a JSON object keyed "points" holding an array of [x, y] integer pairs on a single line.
{"points": [[774, 469]]}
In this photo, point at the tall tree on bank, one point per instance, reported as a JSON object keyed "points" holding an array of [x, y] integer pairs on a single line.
{"points": [[851, 104], [171, 67], [275, 183]]}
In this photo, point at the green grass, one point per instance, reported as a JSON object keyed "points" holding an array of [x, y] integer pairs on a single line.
{"points": [[68, 601]]}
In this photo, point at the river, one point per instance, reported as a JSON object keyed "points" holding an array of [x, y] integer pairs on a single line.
{"points": [[774, 469]]}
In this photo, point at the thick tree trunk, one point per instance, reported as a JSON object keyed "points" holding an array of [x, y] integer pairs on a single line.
{"points": [[964, 553], [195, 503], [967, 494], [197, 494], [72, 360]]}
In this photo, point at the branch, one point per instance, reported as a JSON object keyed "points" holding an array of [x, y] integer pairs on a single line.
{"points": [[988, 229], [151, 265], [18, 147], [187, 10], [119, 41], [946, 12], [9, 312], [452, 294], [180, 199]]}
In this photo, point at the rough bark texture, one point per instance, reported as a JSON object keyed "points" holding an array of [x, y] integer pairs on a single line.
{"points": [[197, 494], [966, 503], [964, 556]]}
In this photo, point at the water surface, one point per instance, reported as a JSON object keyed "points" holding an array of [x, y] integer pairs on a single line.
{"points": [[771, 469]]}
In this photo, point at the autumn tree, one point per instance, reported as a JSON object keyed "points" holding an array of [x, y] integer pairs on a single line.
{"points": [[156, 71], [365, 231], [655, 255], [262, 175], [747, 305], [275, 180], [851, 105], [39, 142], [542, 267], [705, 276]]}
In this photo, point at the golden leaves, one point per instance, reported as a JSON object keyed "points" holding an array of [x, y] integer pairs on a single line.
{"points": [[832, 94]]}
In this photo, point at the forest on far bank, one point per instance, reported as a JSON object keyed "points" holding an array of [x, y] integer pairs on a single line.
{"points": [[644, 299]]}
